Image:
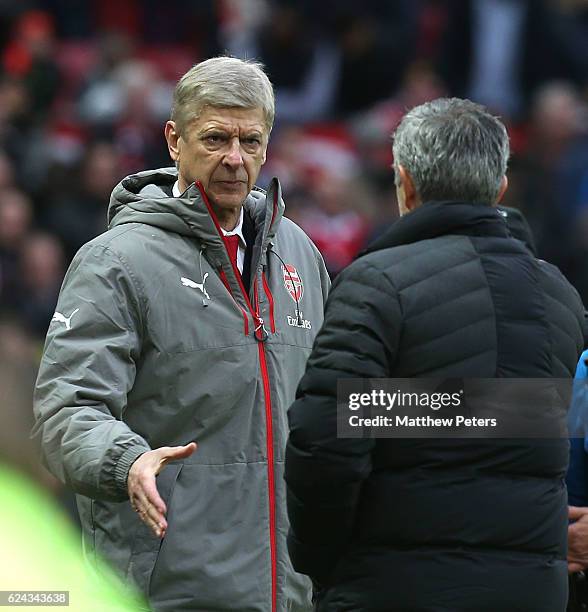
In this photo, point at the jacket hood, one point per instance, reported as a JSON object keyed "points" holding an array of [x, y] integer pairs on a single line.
{"points": [[144, 198]]}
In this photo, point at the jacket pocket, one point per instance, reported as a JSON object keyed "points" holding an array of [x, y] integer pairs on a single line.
{"points": [[145, 546]]}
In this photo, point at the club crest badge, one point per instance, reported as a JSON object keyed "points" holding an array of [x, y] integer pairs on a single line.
{"points": [[293, 282]]}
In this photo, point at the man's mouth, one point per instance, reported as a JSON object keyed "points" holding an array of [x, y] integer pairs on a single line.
{"points": [[231, 185]]}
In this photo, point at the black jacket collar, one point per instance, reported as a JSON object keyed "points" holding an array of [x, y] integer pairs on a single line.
{"points": [[434, 219]]}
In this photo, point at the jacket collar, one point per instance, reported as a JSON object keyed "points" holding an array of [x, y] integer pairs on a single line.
{"points": [[264, 208], [146, 198], [434, 219]]}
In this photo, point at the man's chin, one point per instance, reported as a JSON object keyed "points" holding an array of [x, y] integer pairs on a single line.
{"points": [[228, 201]]}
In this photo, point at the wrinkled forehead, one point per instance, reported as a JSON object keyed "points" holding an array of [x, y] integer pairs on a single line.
{"points": [[233, 119]]}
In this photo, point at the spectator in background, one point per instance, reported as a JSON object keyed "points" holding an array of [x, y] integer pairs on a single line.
{"points": [[42, 265], [372, 128], [76, 214], [124, 101], [137, 132], [371, 132], [15, 223], [101, 100], [571, 25], [331, 211], [376, 42], [18, 370], [15, 128], [499, 52], [554, 180], [327, 195], [7, 178], [335, 58], [30, 58], [303, 64]]}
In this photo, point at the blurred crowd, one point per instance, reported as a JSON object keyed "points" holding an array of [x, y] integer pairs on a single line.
{"points": [[85, 89]]}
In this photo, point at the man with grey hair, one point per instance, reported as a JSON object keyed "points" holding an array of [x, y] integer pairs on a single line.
{"points": [[436, 525], [179, 337]]}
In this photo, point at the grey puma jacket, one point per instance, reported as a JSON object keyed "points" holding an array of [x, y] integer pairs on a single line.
{"points": [[155, 343]]}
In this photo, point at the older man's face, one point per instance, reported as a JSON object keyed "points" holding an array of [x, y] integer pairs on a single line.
{"points": [[224, 149]]}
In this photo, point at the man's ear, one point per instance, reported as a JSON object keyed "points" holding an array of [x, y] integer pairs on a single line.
{"points": [[502, 190], [172, 136], [411, 198]]}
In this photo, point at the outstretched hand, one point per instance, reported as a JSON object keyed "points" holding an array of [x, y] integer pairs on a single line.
{"points": [[143, 492]]}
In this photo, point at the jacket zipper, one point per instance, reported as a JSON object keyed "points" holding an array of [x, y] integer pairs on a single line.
{"points": [[270, 471], [260, 336]]}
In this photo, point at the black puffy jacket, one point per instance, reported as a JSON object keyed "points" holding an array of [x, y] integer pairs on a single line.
{"points": [[428, 524]]}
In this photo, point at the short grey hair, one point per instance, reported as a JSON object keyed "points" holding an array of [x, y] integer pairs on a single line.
{"points": [[222, 82], [453, 149]]}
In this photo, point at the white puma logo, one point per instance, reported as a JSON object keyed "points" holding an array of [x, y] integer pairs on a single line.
{"points": [[63, 319], [190, 283]]}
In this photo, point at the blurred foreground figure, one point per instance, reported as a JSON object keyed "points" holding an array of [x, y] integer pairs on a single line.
{"points": [[40, 547], [189, 320], [436, 525]]}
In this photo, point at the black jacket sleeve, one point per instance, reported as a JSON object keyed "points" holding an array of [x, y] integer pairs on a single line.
{"points": [[324, 473]]}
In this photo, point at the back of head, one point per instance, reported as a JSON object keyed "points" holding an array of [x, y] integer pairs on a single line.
{"points": [[453, 149], [222, 82]]}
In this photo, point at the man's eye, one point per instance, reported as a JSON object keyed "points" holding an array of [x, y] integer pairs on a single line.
{"points": [[253, 141]]}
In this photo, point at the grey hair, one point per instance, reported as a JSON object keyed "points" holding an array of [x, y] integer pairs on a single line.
{"points": [[453, 149], [222, 82]]}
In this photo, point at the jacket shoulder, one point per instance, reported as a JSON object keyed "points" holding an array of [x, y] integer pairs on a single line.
{"points": [[563, 299], [290, 233], [556, 284], [125, 238], [366, 280], [403, 264], [117, 253], [289, 230], [135, 246]]}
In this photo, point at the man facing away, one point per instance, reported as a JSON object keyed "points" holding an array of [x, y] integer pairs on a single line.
{"points": [[178, 340], [436, 525]]}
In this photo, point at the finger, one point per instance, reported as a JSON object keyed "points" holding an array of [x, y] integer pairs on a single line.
{"points": [[153, 525], [576, 512], [150, 516], [573, 537], [157, 519], [574, 567], [150, 494], [178, 452], [138, 496]]}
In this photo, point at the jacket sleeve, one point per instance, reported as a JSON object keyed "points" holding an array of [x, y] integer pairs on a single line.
{"points": [[324, 278], [324, 473], [324, 274], [87, 369]]}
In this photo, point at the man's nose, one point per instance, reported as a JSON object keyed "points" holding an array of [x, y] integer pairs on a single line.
{"points": [[233, 158]]}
